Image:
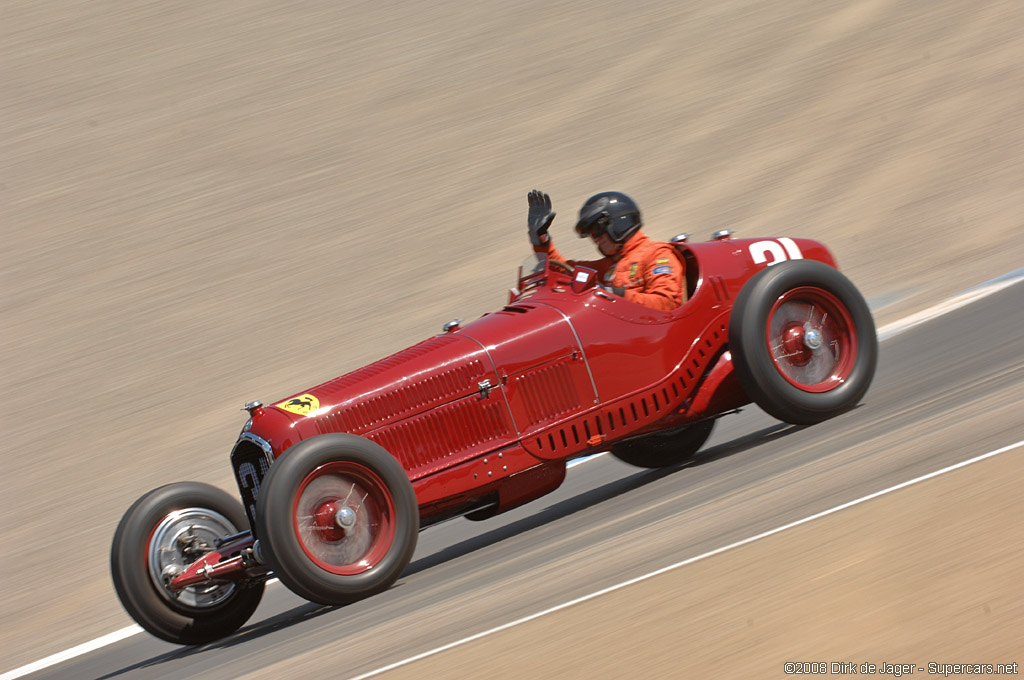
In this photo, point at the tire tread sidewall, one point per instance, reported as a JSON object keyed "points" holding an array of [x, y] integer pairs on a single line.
{"points": [[130, 572], [754, 365], [661, 450], [275, 526]]}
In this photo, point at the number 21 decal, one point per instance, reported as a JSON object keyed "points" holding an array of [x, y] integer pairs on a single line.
{"points": [[775, 251]]}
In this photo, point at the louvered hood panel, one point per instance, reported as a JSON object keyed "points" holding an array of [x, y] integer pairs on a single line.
{"points": [[430, 374], [540, 362], [426, 406]]}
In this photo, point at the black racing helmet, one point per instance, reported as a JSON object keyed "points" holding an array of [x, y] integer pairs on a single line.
{"points": [[609, 212]]}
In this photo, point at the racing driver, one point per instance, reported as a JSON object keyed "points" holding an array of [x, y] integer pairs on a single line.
{"points": [[641, 270]]}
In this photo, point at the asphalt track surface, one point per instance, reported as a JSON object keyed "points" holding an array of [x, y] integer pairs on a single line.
{"points": [[610, 522]]}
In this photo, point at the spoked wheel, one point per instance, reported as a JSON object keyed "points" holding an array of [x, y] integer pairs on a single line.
{"points": [[338, 518], [664, 449], [345, 517], [159, 536], [812, 338], [803, 342]]}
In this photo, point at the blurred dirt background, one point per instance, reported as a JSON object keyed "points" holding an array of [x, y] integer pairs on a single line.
{"points": [[208, 203]]}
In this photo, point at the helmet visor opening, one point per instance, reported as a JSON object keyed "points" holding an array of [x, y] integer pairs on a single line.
{"points": [[592, 226], [621, 227]]}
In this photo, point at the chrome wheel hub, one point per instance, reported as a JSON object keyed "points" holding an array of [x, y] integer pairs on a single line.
{"points": [[812, 338], [345, 517], [180, 539]]}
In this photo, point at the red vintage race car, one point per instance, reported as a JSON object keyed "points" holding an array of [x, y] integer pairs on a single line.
{"points": [[336, 481]]}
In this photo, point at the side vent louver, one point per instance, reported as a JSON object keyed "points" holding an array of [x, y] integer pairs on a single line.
{"points": [[548, 392], [422, 441]]}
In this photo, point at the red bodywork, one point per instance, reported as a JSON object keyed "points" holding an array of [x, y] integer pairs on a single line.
{"points": [[484, 418]]}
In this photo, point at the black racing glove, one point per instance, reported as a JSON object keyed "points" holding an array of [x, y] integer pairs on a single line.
{"points": [[614, 290], [539, 218]]}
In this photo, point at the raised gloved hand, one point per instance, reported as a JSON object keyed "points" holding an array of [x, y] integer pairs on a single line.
{"points": [[540, 217]]}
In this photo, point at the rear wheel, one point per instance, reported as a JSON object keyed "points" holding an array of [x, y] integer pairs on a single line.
{"points": [[803, 342], [338, 518], [163, 532], [664, 449]]}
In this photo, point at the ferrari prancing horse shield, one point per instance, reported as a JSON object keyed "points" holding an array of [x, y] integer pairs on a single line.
{"points": [[303, 405]]}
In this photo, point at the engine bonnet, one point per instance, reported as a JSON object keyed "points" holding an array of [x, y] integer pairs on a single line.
{"points": [[429, 374]]}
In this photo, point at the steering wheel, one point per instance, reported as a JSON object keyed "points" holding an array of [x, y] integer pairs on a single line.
{"points": [[561, 266]]}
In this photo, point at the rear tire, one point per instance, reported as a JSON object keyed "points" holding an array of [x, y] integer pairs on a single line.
{"points": [[338, 519], [664, 449], [803, 342], [150, 538]]}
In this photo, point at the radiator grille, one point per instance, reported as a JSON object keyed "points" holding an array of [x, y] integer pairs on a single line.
{"points": [[250, 463]]}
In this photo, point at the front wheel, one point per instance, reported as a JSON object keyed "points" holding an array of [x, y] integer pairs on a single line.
{"points": [[803, 342], [338, 518], [164, 532], [664, 449]]}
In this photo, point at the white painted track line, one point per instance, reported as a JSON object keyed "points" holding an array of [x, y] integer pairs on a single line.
{"points": [[956, 302], [884, 333], [683, 563], [67, 654]]}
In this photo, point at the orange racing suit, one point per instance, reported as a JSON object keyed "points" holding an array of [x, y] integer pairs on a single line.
{"points": [[651, 272]]}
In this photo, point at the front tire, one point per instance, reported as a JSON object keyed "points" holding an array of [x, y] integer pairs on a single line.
{"points": [[803, 342], [338, 519], [168, 529], [664, 449]]}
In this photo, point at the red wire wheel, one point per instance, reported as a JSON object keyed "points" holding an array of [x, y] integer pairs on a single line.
{"points": [[803, 342], [337, 518], [812, 339], [344, 517]]}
